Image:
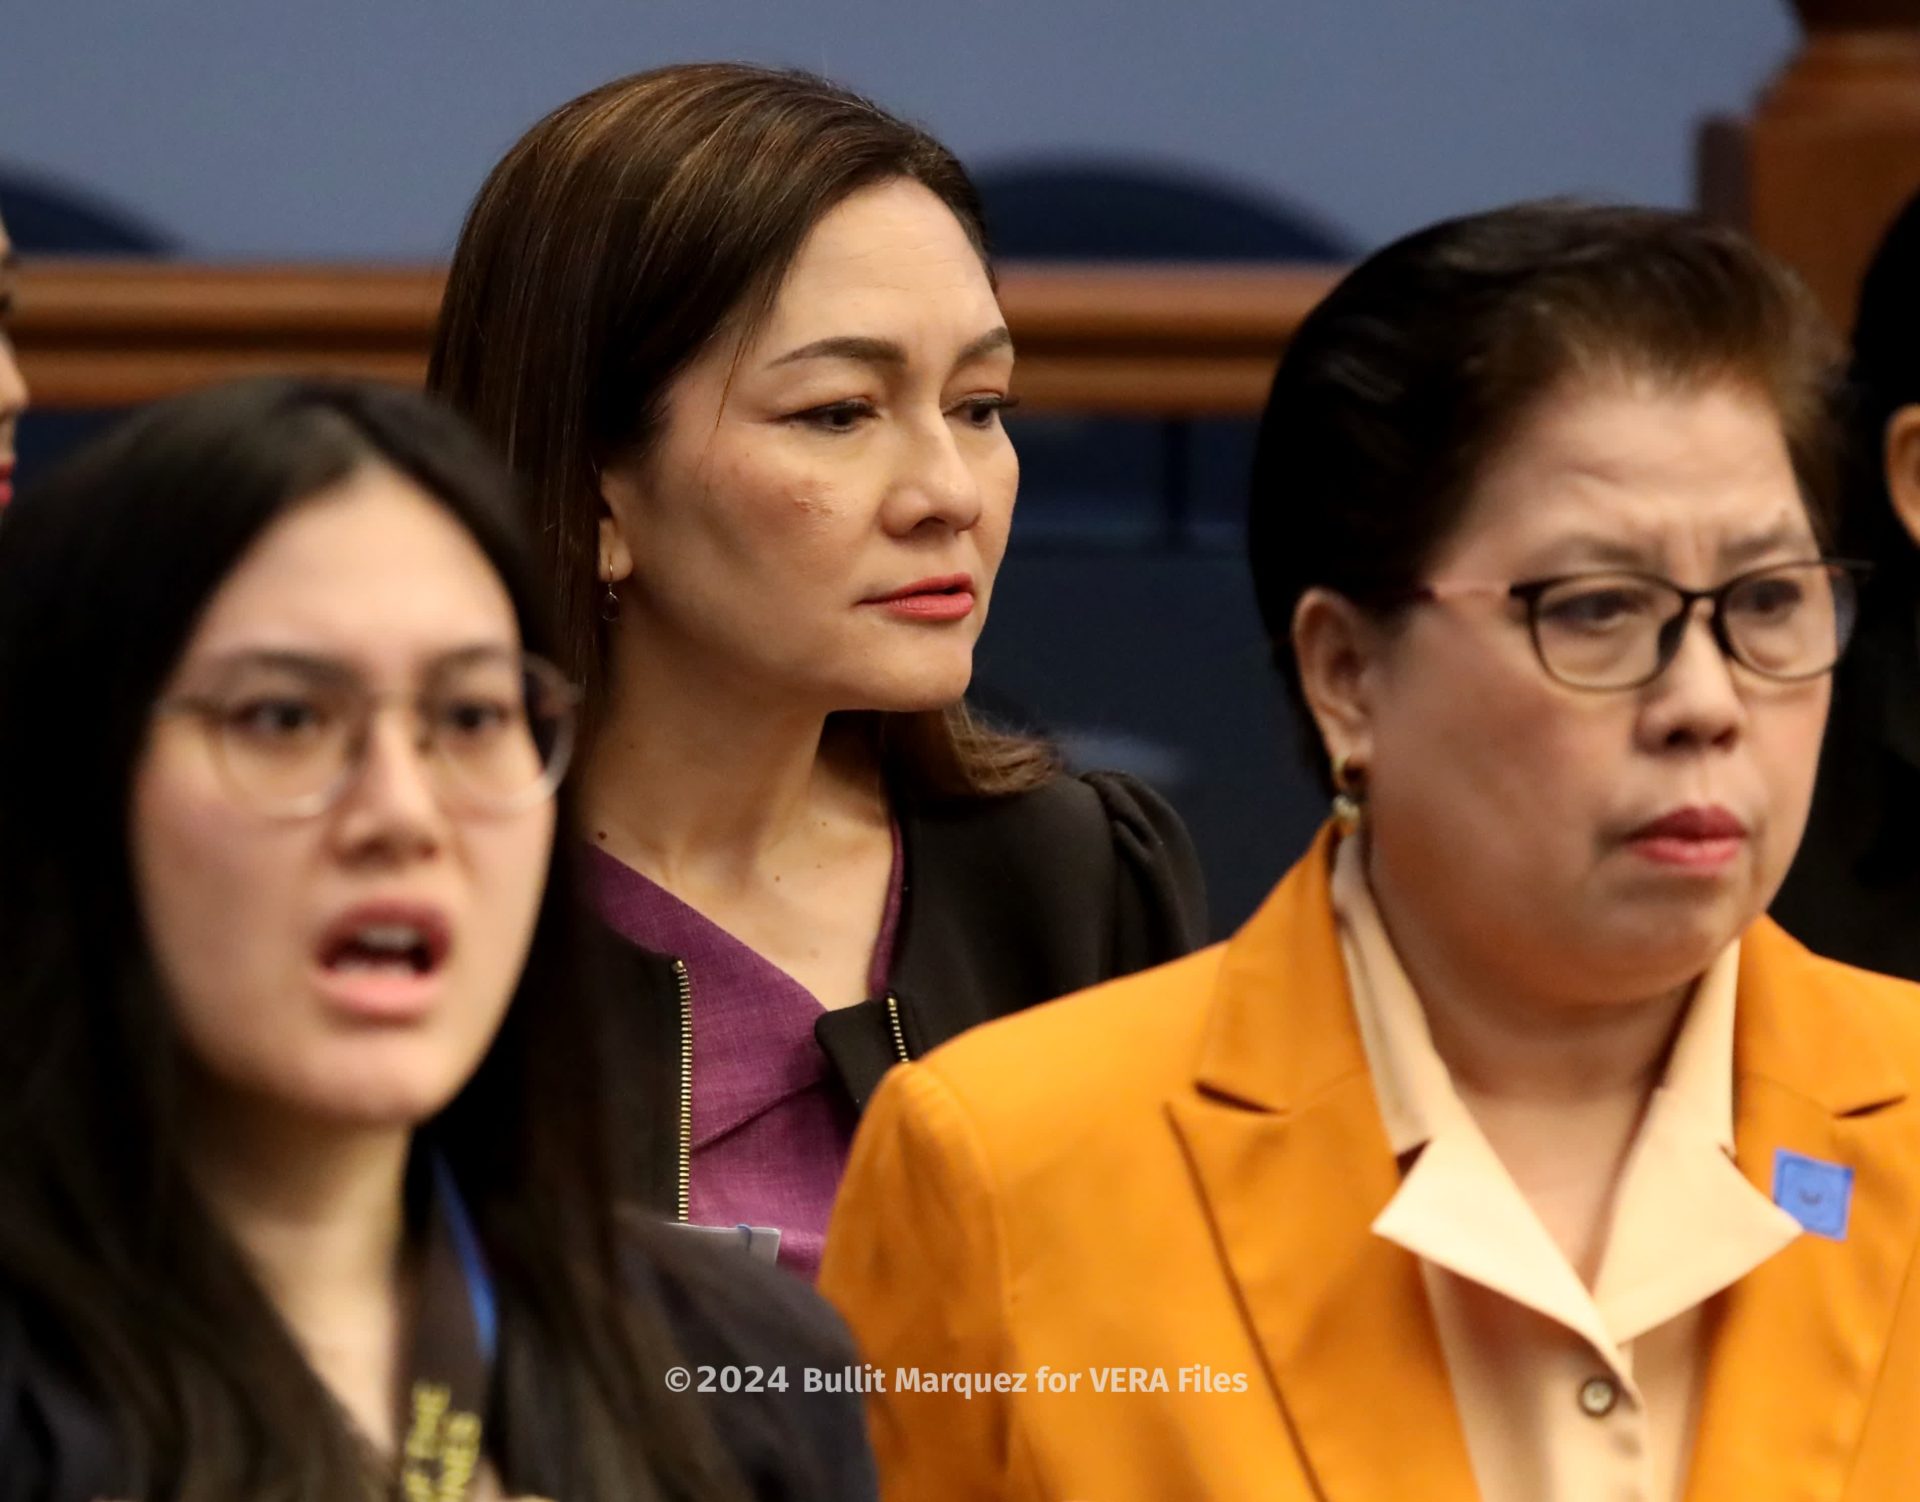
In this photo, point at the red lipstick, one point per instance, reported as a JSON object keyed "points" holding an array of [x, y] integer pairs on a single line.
{"points": [[1695, 838], [6, 483], [947, 597]]}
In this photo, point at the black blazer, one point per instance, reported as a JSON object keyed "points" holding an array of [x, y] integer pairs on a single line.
{"points": [[723, 1309], [1854, 891], [1006, 902]]}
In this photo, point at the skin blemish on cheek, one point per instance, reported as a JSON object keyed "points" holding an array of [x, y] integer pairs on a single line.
{"points": [[812, 504]]}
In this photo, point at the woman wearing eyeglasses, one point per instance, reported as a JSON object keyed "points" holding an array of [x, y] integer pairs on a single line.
{"points": [[306, 1188], [1508, 1152]]}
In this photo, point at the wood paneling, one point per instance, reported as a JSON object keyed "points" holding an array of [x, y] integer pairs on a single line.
{"points": [[1162, 340], [1832, 148]]}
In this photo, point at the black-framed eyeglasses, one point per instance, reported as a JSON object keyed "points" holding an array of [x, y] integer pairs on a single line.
{"points": [[1618, 629], [290, 732]]}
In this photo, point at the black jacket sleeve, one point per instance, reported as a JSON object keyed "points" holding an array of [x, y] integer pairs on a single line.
{"points": [[1013, 901], [1160, 897], [728, 1310]]}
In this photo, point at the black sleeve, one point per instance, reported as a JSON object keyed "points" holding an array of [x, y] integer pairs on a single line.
{"points": [[728, 1310], [54, 1446], [1160, 894], [25, 1466]]}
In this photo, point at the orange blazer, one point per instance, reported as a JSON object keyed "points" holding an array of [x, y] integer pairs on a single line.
{"points": [[1117, 1249]]}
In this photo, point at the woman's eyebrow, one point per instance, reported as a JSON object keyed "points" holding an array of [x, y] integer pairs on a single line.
{"points": [[1592, 548], [986, 344], [871, 351], [866, 350], [1745, 550], [1596, 549], [280, 659], [320, 665]]}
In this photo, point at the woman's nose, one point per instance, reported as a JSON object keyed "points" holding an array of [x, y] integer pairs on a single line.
{"points": [[1696, 700], [937, 482]]}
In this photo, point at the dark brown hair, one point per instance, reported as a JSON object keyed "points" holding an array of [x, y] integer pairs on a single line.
{"points": [[1885, 376], [1401, 386], [619, 238], [114, 1267]]}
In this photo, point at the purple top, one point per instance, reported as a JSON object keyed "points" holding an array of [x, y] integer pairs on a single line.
{"points": [[770, 1127]]}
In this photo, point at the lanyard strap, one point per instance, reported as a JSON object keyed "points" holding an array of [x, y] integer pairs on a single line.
{"points": [[454, 1344]]}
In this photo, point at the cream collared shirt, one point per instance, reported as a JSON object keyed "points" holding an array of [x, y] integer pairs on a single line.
{"points": [[1567, 1394]]}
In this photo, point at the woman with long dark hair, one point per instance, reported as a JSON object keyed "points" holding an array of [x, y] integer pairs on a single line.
{"points": [[305, 1183], [737, 332]]}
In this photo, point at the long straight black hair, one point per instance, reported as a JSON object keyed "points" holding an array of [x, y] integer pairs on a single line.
{"points": [[120, 1278]]}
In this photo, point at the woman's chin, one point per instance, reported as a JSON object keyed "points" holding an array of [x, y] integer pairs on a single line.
{"points": [[911, 682], [375, 1101], [1658, 953], [905, 699]]}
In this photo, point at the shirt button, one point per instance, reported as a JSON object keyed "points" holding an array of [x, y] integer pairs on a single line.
{"points": [[1597, 1397]]}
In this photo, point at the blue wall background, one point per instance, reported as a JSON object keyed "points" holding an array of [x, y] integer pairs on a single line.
{"points": [[360, 128]]}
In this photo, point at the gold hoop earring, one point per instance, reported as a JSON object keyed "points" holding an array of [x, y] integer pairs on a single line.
{"points": [[1350, 794]]}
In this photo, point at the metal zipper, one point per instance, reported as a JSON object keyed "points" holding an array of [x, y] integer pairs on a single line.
{"points": [[899, 1033], [684, 1193]]}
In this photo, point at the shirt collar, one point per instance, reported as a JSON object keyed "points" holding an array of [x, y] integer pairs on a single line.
{"points": [[1686, 1223]]}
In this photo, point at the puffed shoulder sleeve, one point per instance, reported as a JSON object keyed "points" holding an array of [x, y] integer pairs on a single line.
{"points": [[1161, 897], [914, 1260], [800, 1437]]}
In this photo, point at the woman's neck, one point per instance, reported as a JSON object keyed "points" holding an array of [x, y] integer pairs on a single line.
{"points": [[1558, 1085], [1502, 1042], [318, 1212], [694, 776]]}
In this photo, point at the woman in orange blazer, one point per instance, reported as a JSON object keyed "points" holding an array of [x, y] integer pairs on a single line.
{"points": [[1509, 1151]]}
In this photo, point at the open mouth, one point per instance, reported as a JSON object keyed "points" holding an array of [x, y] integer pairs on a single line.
{"points": [[385, 943], [383, 948]]}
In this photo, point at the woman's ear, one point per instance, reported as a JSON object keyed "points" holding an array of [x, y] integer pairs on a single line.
{"points": [[1334, 646], [1900, 455], [619, 505]]}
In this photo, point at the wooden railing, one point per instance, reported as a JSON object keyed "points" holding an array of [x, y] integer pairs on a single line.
{"points": [[1829, 152], [1151, 341]]}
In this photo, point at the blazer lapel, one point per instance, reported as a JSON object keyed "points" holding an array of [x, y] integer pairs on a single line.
{"points": [[1799, 1341], [1293, 1164]]}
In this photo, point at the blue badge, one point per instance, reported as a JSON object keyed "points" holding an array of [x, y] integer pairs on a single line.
{"points": [[1816, 1193]]}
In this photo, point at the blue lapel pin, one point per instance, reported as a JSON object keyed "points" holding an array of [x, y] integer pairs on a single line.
{"points": [[1814, 1192]]}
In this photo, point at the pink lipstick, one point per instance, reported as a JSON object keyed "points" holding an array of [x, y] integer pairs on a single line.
{"points": [[1701, 839], [948, 597]]}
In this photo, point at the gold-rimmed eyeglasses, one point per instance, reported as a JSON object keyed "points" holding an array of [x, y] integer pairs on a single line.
{"points": [[290, 731], [1620, 629]]}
